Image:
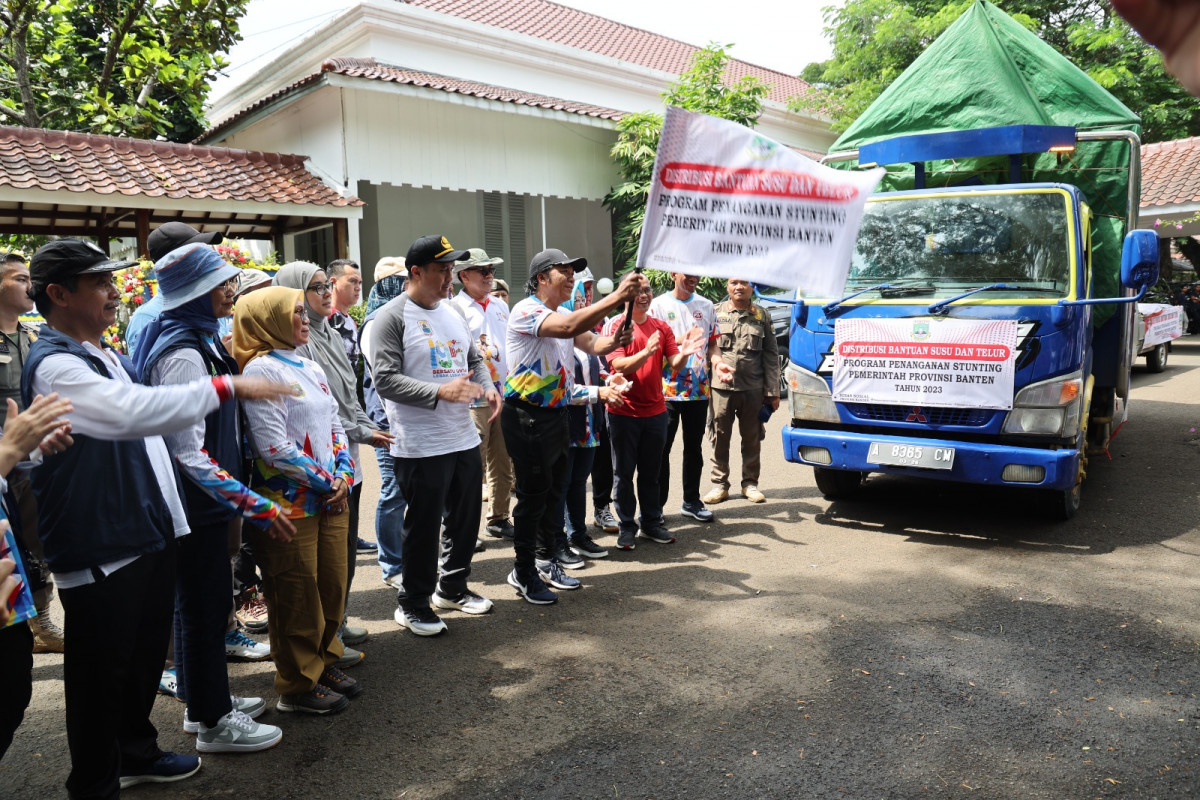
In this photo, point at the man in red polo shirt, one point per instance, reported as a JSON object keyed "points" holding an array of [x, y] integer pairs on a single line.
{"points": [[637, 430]]}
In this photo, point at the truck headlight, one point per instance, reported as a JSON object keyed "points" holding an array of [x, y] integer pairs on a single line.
{"points": [[809, 396], [1048, 408]]}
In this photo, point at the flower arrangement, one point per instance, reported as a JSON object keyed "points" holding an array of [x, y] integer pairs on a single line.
{"points": [[137, 285]]}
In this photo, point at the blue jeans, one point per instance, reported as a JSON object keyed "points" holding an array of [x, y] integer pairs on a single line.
{"points": [[389, 517]]}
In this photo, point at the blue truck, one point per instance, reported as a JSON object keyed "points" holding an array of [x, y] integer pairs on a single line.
{"points": [[1018, 253]]}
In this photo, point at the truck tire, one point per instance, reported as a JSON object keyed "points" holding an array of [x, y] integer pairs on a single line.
{"points": [[1061, 504], [1156, 359], [838, 484]]}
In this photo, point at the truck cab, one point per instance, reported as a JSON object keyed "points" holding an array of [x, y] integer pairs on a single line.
{"points": [[966, 345]]}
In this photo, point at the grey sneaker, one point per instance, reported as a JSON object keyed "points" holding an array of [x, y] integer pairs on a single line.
{"points": [[625, 540], [352, 634], [468, 602], [318, 701], [252, 707], [350, 658], [605, 521], [334, 680], [237, 733]]}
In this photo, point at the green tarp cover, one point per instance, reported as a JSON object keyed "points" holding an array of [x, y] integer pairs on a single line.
{"points": [[987, 70]]}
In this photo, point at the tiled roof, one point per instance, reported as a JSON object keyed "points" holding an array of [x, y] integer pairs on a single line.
{"points": [[1171, 173], [32, 158], [568, 26], [371, 69]]}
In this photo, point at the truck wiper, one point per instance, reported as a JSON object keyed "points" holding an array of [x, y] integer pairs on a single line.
{"points": [[940, 308], [906, 291], [829, 309]]}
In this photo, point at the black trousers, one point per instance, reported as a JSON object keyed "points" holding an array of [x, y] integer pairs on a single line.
{"points": [[637, 447], [602, 469], [202, 609], [16, 676], [119, 630], [433, 486], [352, 540], [693, 414], [537, 440]]}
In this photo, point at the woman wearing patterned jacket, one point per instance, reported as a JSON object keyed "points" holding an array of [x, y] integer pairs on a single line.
{"points": [[301, 462]]}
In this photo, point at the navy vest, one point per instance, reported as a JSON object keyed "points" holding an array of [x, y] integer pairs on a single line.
{"points": [[221, 440], [98, 500]]}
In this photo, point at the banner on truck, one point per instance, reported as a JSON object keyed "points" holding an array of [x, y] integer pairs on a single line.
{"points": [[725, 201], [1163, 323], [926, 362]]}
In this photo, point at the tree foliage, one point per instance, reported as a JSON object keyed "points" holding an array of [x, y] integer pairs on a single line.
{"points": [[703, 89], [875, 40], [140, 68]]}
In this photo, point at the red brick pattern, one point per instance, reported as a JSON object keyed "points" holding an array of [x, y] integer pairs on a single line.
{"points": [[32, 158], [1171, 173]]}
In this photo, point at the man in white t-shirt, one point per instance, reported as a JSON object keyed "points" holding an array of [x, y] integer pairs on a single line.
{"points": [[427, 371], [488, 318], [687, 389]]}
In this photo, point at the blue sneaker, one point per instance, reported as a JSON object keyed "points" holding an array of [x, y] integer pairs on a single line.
{"points": [[530, 587], [364, 546], [552, 573], [696, 511], [168, 684], [169, 767], [239, 645]]}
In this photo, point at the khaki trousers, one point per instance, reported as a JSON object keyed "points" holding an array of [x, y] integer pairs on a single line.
{"points": [[742, 407], [304, 584], [497, 466]]}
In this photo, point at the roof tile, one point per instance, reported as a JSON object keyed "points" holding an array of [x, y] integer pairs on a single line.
{"points": [[33, 158], [1171, 173]]}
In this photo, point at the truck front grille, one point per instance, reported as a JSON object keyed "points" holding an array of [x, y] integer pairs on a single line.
{"points": [[967, 417]]}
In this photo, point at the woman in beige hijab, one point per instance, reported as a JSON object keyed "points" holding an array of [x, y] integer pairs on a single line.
{"points": [[302, 463]]}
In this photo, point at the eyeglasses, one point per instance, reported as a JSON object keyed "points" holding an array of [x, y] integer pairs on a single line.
{"points": [[321, 288], [481, 270], [230, 285]]}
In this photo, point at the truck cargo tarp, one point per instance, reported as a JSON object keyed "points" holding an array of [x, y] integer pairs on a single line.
{"points": [[987, 70]]}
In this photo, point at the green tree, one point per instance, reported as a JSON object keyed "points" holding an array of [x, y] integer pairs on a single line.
{"points": [[875, 40], [703, 89], [139, 68]]}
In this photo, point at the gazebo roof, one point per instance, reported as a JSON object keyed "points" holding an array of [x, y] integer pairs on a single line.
{"points": [[61, 183]]}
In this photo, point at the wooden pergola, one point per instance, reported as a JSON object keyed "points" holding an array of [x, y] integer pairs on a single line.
{"points": [[101, 187]]}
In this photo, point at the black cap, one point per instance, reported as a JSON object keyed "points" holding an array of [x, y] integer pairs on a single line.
{"points": [[429, 249], [552, 257], [170, 235], [64, 258]]}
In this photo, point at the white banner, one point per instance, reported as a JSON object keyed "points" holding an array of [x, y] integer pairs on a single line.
{"points": [[941, 363], [726, 201], [1162, 323]]}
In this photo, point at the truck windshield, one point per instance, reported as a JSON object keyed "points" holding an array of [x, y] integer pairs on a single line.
{"points": [[949, 243]]}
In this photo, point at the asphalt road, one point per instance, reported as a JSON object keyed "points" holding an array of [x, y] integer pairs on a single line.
{"points": [[924, 641]]}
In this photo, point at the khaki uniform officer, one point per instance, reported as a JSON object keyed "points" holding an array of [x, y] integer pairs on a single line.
{"points": [[745, 378]]}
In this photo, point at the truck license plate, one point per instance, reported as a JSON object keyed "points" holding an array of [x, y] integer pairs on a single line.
{"points": [[911, 455]]}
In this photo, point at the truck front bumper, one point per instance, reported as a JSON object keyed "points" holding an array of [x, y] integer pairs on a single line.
{"points": [[974, 462]]}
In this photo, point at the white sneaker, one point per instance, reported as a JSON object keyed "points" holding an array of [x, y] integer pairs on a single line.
{"points": [[421, 621], [239, 645], [469, 603], [237, 733], [252, 707], [394, 581]]}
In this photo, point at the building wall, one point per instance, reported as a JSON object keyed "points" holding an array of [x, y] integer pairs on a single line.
{"points": [[506, 225]]}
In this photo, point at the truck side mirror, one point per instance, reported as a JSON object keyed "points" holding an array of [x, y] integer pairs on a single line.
{"points": [[1139, 260]]}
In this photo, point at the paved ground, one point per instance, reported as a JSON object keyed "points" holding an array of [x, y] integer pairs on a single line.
{"points": [[926, 641]]}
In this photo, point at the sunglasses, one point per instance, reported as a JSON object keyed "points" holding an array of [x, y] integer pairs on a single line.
{"points": [[482, 270], [321, 288]]}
